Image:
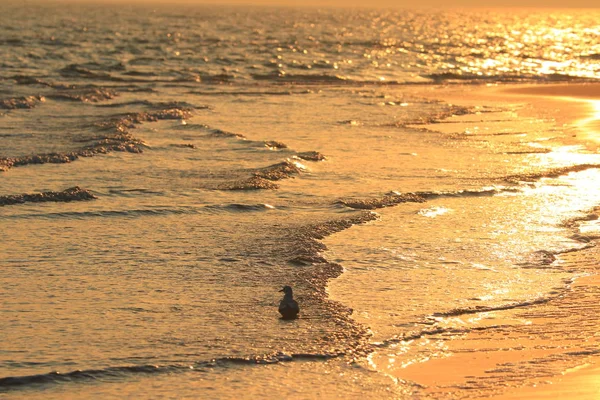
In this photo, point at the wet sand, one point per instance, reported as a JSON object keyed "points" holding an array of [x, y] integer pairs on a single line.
{"points": [[580, 103], [584, 90], [465, 361], [573, 106], [576, 104], [579, 383], [469, 360]]}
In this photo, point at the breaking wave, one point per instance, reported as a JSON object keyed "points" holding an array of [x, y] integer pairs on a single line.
{"points": [[124, 372], [118, 139], [394, 198], [72, 194]]}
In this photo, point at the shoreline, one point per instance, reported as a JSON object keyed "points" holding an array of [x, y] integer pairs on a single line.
{"points": [[581, 383], [571, 107], [589, 91], [581, 102]]}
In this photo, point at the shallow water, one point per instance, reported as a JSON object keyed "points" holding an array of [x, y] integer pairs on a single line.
{"points": [[223, 153]]}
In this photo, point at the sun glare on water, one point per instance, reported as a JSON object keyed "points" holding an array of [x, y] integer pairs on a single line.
{"points": [[591, 124]]}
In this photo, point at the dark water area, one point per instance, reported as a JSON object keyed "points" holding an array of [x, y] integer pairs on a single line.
{"points": [[165, 171]]}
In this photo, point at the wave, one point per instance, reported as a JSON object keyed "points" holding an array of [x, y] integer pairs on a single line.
{"points": [[98, 72], [481, 309], [144, 212], [262, 178], [438, 330], [314, 272], [438, 117], [253, 93], [113, 213], [394, 198], [124, 372], [274, 144], [67, 92], [107, 144], [78, 71], [299, 245], [414, 335], [310, 156], [308, 246], [326, 79], [27, 102], [32, 80], [462, 78], [72, 194], [85, 94], [156, 105], [270, 144], [532, 151], [281, 76], [216, 79], [126, 192], [184, 145], [252, 183], [139, 73], [119, 139], [550, 173], [387, 200], [221, 133], [236, 207], [282, 170], [368, 43]]}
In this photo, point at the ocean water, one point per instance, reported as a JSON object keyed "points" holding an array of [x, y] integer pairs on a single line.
{"points": [[167, 169]]}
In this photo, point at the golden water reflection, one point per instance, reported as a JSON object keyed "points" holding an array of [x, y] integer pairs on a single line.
{"points": [[590, 125]]}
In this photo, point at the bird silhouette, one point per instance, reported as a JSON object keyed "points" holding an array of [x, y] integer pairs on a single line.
{"points": [[288, 307]]}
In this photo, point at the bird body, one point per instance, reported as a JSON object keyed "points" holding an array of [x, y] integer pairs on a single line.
{"points": [[288, 307]]}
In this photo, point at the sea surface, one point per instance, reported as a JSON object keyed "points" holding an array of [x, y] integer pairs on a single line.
{"points": [[166, 170]]}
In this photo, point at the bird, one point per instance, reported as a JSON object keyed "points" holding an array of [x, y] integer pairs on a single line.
{"points": [[288, 307]]}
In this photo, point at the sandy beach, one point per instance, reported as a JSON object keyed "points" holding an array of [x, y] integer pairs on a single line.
{"points": [[467, 358], [426, 181], [571, 104], [580, 383], [473, 356]]}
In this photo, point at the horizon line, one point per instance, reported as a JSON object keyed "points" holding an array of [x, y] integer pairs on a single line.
{"points": [[310, 4]]}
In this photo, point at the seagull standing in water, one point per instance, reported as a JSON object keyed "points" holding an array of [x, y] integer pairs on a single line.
{"points": [[288, 308]]}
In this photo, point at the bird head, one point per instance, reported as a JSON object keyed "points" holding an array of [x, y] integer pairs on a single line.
{"points": [[286, 290]]}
